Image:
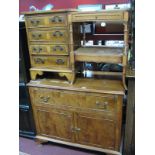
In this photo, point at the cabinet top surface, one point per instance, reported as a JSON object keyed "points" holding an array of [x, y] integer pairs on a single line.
{"points": [[83, 85], [70, 10]]}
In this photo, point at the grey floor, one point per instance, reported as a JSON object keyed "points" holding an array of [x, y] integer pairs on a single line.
{"points": [[30, 147]]}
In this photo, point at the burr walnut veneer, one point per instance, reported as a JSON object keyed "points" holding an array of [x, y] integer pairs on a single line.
{"points": [[85, 113]]}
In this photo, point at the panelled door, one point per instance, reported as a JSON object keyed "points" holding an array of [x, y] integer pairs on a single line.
{"points": [[94, 130], [54, 123]]}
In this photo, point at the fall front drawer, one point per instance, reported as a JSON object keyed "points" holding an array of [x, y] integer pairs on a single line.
{"points": [[49, 61], [49, 49], [46, 20], [55, 35]]}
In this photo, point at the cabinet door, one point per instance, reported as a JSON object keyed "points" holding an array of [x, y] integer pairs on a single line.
{"points": [[55, 123], [96, 131]]}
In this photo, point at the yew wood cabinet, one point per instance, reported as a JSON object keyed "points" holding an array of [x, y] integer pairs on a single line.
{"points": [[87, 114]]}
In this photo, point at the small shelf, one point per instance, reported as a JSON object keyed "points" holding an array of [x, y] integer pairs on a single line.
{"points": [[99, 54]]}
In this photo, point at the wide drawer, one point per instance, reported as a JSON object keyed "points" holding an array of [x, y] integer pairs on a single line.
{"points": [[49, 61], [46, 20], [55, 35], [75, 99], [49, 49], [106, 16]]}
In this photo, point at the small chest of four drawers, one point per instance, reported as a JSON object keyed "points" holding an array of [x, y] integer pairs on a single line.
{"points": [[48, 39]]}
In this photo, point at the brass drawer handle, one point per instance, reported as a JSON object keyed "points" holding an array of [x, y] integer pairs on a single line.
{"points": [[57, 33], [102, 105], [58, 48], [34, 49], [39, 61], [38, 50], [60, 61], [35, 22], [36, 36], [56, 19], [44, 98]]}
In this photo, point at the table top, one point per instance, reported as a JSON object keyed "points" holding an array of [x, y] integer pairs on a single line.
{"points": [[82, 84]]}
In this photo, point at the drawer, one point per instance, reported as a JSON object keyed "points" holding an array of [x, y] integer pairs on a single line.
{"points": [[74, 99], [49, 49], [59, 49], [60, 98], [47, 20], [97, 16], [103, 102], [50, 61], [55, 36], [39, 49]]}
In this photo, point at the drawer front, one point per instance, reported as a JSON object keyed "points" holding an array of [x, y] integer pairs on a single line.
{"points": [[38, 49], [104, 102], [60, 98], [49, 49], [86, 101], [50, 61], [47, 21], [56, 36], [59, 49], [97, 16]]}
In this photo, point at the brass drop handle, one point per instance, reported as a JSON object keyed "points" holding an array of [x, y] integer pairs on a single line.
{"points": [[37, 36], [40, 49], [35, 22], [57, 33], [60, 61], [39, 61], [103, 105], [44, 98], [34, 49], [56, 19], [58, 47]]}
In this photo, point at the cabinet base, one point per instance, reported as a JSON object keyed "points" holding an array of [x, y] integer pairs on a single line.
{"points": [[107, 151]]}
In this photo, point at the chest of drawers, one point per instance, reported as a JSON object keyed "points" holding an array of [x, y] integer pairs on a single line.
{"points": [[83, 115], [49, 43]]}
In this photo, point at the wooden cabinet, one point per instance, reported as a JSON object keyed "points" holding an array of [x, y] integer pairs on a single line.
{"points": [[55, 123], [85, 113], [81, 117]]}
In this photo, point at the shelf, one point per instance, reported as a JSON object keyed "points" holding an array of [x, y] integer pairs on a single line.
{"points": [[99, 54]]}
